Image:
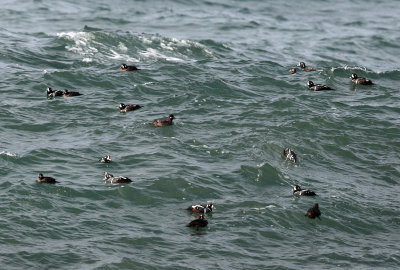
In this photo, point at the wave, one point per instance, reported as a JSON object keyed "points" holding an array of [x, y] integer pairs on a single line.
{"points": [[100, 46]]}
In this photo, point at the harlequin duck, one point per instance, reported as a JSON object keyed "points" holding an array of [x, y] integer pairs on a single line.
{"points": [[124, 67], [302, 65], [163, 123], [293, 70], [106, 159], [313, 212], [200, 222], [46, 179], [53, 93], [67, 93], [290, 155], [317, 87], [303, 192], [198, 208], [108, 177], [128, 108], [357, 80]]}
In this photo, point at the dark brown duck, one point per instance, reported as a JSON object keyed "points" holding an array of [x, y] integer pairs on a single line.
{"points": [[200, 222], [163, 123], [46, 179], [313, 212], [67, 93], [124, 67]]}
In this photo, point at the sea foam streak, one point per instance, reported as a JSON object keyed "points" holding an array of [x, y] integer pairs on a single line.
{"points": [[100, 46], [8, 154]]}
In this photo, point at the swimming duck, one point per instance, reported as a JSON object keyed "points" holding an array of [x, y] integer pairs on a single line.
{"points": [[313, 212], [293, 70], [67, 93], [108, 177], [200, 222], [53, 93], [317, 87], [198, 208], [46, 179], [303, 192], [106, 159], [290, 155], [128, 108], [302, 65], [124, 67], [357, 80], [163, 123]]}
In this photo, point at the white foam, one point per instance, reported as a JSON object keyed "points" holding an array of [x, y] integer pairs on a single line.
{"points": [[122, 47], [167, 47], [171, 44], [85, 44], [116, 55], [75, 35], [82, 46], [262, 164], [145, 40], [8, 154], [153, 53]]}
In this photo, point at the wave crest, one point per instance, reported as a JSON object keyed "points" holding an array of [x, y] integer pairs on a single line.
{"points": [[101, 46]]}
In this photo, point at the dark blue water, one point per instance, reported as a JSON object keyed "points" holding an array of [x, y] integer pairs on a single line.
{"points": [[222, 69]]}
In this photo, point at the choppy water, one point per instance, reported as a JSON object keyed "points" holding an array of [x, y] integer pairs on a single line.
{"points": [[222, 68]]}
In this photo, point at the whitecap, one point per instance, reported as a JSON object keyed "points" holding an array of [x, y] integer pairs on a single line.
{"points": [[145, 40], [153, 53], [82, 45], [116, 55], [167, 47], [261, 164], [75, 35], [122, 47], [8, 154]]}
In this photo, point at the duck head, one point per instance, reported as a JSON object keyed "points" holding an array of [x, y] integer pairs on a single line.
{"points": [[354, 76], [302, 65], [296, 188], [107, 175]]}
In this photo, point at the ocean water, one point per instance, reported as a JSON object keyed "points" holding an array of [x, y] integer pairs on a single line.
{"points": [[222, 68]]}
